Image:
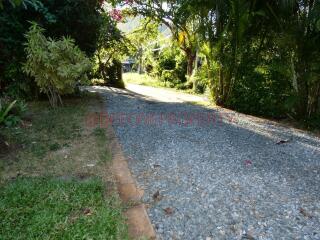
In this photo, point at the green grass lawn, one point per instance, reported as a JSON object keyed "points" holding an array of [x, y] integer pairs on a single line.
{"points": [[41, 208], [55, 177]]}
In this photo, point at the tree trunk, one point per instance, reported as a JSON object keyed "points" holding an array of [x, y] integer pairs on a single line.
{"points": [[140, 71], [140, 67], [191, 59]]}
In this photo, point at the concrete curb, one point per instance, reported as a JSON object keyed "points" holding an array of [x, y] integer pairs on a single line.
{"points": [[139, 224]]}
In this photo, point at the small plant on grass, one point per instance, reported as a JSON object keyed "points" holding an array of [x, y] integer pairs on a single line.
{"points": [[11, 112], [4, 111], [57, 65]]}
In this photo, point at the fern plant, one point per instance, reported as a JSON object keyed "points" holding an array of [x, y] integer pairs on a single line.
{"points": [[57, 65]]}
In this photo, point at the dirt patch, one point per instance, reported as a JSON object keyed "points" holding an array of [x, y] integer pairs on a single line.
{"points": [[56, 143]]}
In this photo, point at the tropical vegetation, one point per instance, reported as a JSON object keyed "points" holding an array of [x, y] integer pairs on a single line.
{"points": [[259, 57]]}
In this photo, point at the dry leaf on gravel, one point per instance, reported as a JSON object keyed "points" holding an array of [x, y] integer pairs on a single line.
{"points": [[283, 141], [168, 211], [305, 213], [248, 162], [156, 196]]}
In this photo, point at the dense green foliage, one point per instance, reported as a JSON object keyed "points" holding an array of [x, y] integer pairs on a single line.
{"points": [[111, 46], [13, 24], [171, 67], [261, 57], [57, 65], [114, 74], [79, 20]]}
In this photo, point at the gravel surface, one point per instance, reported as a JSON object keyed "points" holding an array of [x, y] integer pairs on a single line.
{"points": [[217, 174]]}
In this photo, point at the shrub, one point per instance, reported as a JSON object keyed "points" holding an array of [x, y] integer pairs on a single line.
{"points": [[14, 23], [171, 67], [166, 61], [200, 80], [57, 66], [312, 122], [170, 77], [112, 75]]}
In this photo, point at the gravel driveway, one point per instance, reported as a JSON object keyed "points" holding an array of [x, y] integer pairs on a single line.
{"points": [[216, 174]]}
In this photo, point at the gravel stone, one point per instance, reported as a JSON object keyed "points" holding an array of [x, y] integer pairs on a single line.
{"points": [[225, 180]]}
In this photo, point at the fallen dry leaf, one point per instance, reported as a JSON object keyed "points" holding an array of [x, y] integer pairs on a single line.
{"points": [[283, 141], [248, 162], [168, 210], [156, 196], [305, 213], [87, 212], [248, 236], [26, 124]]}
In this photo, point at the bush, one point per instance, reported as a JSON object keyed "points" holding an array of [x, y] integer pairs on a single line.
{"points": [[184, 86], [171, 67], [14, 23], [5, 110], [166, 61], [169, 77], [112, 75], [57, 66]]}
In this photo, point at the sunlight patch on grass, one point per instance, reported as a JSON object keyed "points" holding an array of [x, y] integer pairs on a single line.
{"points": [[142, 79]]}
